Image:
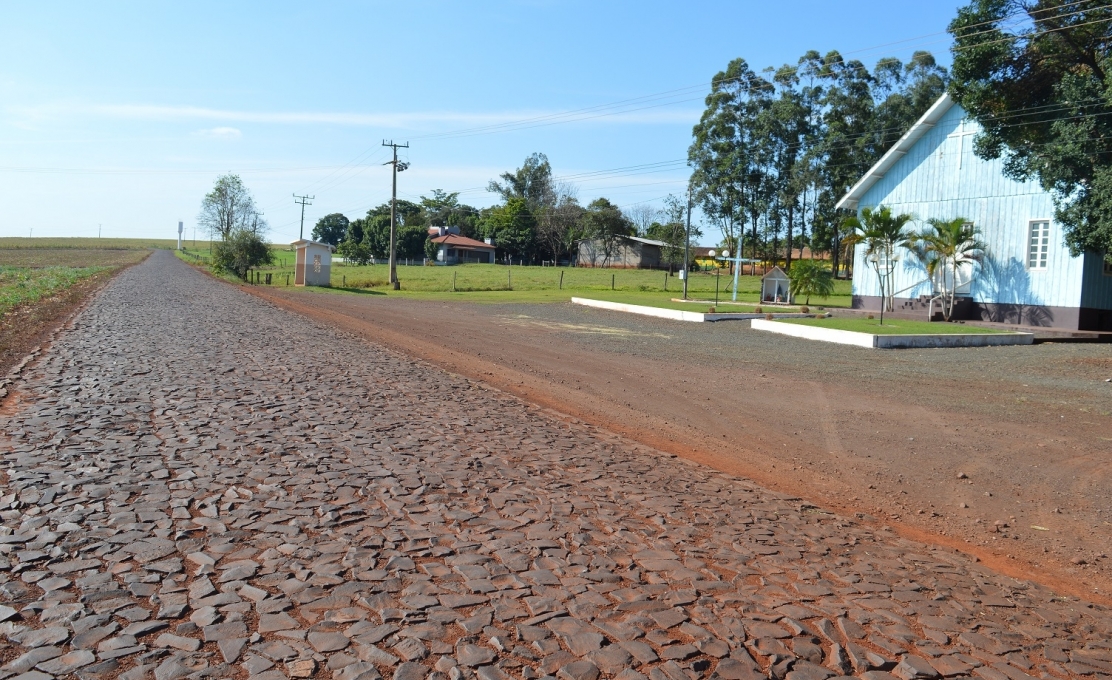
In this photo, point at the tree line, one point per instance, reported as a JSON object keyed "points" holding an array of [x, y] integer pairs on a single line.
{"points": [[775, 150], [538, 219]]}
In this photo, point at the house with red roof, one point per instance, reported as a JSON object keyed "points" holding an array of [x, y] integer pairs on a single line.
{"points": [[454, 248]]}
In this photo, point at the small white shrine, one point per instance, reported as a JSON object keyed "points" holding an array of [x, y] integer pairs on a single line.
{"points": [[313, 263], [776, 287]]}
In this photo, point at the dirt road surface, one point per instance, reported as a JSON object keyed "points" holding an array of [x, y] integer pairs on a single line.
{"points": [[1005, 453], [202, 485]]}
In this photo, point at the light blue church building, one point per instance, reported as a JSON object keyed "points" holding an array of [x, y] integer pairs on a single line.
{"points": [[1027, 275]]}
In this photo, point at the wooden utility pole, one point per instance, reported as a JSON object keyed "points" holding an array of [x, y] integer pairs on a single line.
{"points": [[394, 283], [303, 201]]}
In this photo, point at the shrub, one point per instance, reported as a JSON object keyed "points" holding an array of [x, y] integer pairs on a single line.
{"points": [[870, 317], [805, 309], [242, 250], [769, 317], [710, 311], [757, 309]]}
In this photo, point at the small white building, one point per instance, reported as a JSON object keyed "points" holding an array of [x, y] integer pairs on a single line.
{"points": [[776, 287], [313, 263]]}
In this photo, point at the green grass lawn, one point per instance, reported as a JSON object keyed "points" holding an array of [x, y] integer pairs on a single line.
{"points": [[492, 283], [892, 326]]}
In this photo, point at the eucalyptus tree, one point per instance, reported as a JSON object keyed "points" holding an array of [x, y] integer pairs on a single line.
{"points": [[727, 155]]}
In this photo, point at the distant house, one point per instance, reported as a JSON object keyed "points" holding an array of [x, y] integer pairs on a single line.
{"points": [[312, 263], [624, 252], [452, 248], [1027, 276]]}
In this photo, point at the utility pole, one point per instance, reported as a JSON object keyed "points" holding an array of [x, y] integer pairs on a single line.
{"points": [[398, 167], [687, 245], [302, 201]]}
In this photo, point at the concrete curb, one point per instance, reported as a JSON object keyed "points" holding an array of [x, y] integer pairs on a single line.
{"points": [[679, 314], [874, 341]]}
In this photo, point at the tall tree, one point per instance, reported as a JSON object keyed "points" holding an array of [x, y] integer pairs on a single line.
{"points": [[513, 228], [1041, 89], [229, 206], [531, 182], [559, 226], [604, 221], [331, 229]]}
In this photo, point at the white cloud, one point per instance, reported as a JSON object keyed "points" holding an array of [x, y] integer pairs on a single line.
{"points": [[220, 133]]}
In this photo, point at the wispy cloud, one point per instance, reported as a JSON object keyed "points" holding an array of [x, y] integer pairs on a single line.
{"points": [[220, 133], [423, 120]]}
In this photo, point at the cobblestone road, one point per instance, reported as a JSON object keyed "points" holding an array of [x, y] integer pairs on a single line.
{"points": [[200, 485]]}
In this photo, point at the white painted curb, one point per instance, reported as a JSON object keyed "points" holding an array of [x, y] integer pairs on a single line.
{"points": [[677, 314], [870, 340]]}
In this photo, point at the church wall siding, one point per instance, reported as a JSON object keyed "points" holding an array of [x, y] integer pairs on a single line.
{"points": [[927, 182]]}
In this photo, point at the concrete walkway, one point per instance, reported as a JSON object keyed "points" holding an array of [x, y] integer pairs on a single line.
{"points": [[201, 485]]}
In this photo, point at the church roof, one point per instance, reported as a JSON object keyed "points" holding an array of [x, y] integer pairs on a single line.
{"points": [[898, 151]]}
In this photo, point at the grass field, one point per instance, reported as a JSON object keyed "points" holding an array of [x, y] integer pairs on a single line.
{"points": [[34, 269], [499, 283], [8, 243], [892, 326]]}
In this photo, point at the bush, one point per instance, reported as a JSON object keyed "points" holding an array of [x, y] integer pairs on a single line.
{"points": [[769, 317], [805, 309], [242, 250], [355, 252], [757, 309], [870, 317]]}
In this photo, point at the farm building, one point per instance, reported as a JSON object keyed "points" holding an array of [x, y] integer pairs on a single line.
{"points": [[624, 252], [1027, 275], [312, 263]]}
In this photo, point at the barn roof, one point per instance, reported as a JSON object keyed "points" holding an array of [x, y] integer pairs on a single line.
{"points": [[898, 151]]}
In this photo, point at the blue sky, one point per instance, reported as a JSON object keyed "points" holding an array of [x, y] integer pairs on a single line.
{"points": [[122, 114]]}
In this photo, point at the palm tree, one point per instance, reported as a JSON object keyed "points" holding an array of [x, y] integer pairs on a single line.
{"points": [[946, 246], [810, 277], [881, 232]]}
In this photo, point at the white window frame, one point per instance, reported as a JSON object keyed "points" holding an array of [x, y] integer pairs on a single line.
{"points": [[1034, 263]]}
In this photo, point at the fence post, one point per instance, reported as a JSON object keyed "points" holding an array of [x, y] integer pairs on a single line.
{"points": [[287, 279], [345, 281], [665, 282], [561, 279], [509, 278], [454, 281], [612, 281]]}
